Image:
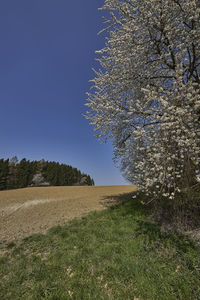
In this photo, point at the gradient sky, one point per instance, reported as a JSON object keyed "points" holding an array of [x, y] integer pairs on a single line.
{"points": [[46, 59]]}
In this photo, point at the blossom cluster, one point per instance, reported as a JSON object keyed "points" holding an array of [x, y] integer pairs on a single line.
{"points": [[146, 95], [165, 150]]}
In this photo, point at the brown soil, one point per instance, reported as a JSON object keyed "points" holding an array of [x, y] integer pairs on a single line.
{"points": [[32, 210]]}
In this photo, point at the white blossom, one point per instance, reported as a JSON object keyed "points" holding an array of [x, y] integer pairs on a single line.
{"points": [[146, 95]]}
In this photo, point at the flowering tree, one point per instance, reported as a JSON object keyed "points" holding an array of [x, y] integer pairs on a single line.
{"points": [[146, 96]]}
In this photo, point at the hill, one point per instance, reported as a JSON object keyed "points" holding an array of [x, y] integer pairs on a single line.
{"points": [[115, 253], [31, 210], [14, 174]]}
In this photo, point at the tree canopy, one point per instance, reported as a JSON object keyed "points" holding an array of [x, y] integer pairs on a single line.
{"points": [[146, 94]]}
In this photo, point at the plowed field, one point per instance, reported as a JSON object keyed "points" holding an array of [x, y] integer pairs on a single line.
{"points": [[32, 210]]}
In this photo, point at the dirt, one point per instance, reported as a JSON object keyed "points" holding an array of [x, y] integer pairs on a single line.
{"points": [[33, 210]]}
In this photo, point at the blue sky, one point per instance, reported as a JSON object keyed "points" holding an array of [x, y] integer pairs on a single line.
{"points": [[46, 59]]}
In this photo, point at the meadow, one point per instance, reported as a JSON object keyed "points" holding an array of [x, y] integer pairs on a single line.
{"points": [[114, 253]]}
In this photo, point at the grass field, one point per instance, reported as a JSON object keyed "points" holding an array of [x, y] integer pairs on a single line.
{"points": [[116, 253]]}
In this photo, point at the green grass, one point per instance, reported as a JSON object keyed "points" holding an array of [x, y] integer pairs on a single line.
{"points": [[114, 254]]}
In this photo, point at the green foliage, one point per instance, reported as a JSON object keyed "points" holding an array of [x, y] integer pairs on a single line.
{"points": [[25, 172], [61, 174], [114, 254], [4, 173], [14, 174]]}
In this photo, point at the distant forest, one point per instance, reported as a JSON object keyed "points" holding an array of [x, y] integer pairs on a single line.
{"points": [[14, 174]]}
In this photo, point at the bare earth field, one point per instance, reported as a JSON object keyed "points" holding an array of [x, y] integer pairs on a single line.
{"points": [[32, 210]]}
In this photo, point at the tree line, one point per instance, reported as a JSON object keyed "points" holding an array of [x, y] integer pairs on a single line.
{"points": [[19, 174]]}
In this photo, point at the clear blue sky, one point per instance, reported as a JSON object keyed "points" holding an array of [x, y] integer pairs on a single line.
{"points": [[46, 56]]}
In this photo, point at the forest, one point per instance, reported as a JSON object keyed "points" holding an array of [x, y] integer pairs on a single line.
{"points": [[19, 174]]}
